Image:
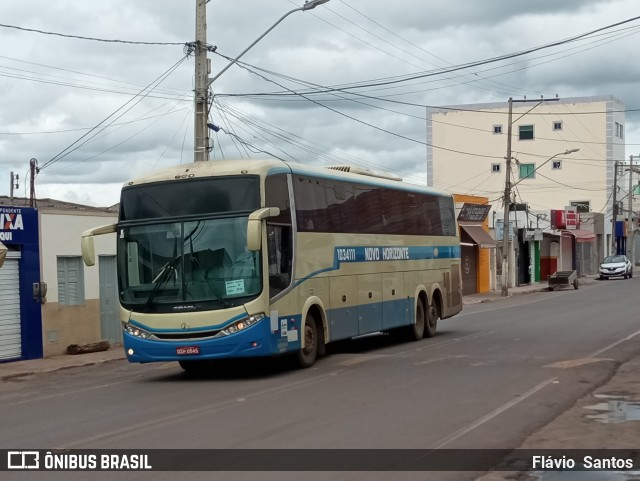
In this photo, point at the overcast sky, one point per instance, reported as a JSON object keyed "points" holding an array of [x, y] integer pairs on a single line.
{"points": [[54, 89]]}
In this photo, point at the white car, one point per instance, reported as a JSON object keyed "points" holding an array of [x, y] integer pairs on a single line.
{"points": [[616, 266]]}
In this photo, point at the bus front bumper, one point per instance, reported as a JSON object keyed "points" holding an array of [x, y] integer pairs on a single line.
{"points": [[255, 341]]}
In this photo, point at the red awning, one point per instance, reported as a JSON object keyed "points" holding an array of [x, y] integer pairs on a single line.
{"points": [[581, 235]]}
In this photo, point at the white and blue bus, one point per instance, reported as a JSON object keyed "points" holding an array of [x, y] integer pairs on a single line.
{"points": [[233, 259]]}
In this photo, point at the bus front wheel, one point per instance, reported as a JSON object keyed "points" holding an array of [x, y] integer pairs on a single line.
{"points": [[195, 367], [309, 350]]}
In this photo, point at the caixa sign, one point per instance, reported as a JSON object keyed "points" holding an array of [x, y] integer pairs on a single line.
{"points": [[18, 225]]}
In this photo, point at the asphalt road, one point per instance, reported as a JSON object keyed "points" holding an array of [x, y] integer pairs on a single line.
{"points": [[491, 377]]}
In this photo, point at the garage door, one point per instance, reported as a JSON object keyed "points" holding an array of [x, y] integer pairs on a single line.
{"points": [[10, 343]]}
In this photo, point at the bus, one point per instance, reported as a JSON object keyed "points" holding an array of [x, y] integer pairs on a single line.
{"points": [[249, 258]]}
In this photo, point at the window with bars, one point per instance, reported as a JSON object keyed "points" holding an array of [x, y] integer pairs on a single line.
{"points": [[581, 205]]}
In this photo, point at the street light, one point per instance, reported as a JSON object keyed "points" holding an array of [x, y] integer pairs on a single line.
{"points": [[201, 107], [308, 5], [566, 152], [505, 222]]}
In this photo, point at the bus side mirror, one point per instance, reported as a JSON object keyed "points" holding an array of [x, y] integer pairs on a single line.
{"points": [[254, 226], [88, 250]]}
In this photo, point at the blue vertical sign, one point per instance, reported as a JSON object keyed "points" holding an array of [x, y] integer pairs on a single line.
{"points": [[19, 231]]}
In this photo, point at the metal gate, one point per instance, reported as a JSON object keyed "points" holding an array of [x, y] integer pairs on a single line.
{"points": [[10, 329], [469, 270], [109, 320]]}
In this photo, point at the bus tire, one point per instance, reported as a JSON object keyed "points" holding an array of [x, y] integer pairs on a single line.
{"points": [[309, 343], [433, 314], [416, 330]]}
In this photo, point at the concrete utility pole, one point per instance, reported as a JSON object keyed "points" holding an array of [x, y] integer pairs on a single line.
{"points": [[504, 288], [14, 185], [614, 211], [201, 97], [33, 167], [507, 193], [201, 132], [631, 240]]}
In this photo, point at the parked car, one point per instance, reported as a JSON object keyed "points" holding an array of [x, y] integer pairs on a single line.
{"points": [[616, 266]]}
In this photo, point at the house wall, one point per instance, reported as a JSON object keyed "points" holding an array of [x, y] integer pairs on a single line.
{"points": [[60, 236]]}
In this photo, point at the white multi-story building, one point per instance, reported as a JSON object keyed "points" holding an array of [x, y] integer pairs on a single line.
{"points": [[467, 146]]}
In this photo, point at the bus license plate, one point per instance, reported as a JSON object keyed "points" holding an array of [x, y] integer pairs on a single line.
{"points": [[188, 351]]}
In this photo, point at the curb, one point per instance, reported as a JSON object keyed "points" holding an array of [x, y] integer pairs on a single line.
{"points": [[48, 369]]}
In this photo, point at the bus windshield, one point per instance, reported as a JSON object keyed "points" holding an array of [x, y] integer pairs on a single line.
{"points": [[191, 265]]}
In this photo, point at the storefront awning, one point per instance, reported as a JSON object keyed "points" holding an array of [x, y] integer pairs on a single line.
{"points": [[479, 236], [581, 235]]}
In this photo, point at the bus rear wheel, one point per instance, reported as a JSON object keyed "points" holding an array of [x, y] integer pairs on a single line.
{"points": [[309, 350], [433, 315]]}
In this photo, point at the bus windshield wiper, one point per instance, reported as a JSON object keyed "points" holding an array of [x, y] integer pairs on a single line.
{"points": [[164, 276]]}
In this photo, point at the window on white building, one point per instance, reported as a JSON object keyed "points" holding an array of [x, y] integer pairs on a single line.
{"points": [[527, 171], [526, 132], [495, 168], [581, 205], [70, 280], [497, 129], [557, 165], [619, 130], [557, 125]]}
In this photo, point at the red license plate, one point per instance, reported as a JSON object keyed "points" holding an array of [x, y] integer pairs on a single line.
{"points": [[188, 350]]}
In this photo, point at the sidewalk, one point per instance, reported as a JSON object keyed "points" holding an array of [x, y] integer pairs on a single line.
{"points": [[9, 370], [516, 291]]}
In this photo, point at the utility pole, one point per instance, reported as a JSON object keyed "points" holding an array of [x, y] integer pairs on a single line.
{"points": [[631, 241], [507, 192], [614, 211], [507, 204], [201, 97], [33, 167], [14, 185]]}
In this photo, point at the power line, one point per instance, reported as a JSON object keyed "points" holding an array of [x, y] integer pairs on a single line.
{"points": [[410, 77], [80, 129], [94, 39], [395, 134], [141, 95]]}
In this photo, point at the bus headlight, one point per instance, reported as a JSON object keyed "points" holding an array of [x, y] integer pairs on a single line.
{"points": [[135, 331], [242, 324]]}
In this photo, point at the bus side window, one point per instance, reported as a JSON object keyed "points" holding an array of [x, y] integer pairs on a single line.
{"points": [[280, 256], [279, 234]]}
